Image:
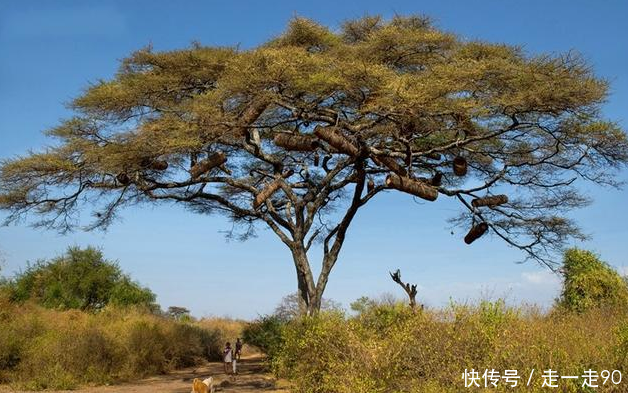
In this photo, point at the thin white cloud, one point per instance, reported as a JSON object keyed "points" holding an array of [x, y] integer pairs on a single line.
{"points": [[541, 278]]}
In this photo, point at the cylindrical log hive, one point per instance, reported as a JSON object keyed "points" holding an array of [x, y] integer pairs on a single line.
{"points": [[266, 193], [295, 142], [159, 165], [207, 164], [411, 186], [123, 178], [475, 232], [437, 179], [336, 139], [460, 166], [434, 156], [391, 164], [494, 200]]}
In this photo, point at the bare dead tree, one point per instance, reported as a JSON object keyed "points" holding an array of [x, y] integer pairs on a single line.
{"points": [[410, 290]]}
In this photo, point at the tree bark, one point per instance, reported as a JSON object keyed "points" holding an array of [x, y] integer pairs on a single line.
{"points": [[305, 280], [310, 296]]}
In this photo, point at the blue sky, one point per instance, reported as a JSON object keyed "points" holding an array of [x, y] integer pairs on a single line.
{"points": [[50, 51]]}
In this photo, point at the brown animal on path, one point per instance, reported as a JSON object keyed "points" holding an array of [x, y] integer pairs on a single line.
{"points": [[205, 386]]}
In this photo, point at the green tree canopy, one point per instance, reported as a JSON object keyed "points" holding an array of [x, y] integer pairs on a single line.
{"points": [[79, 279], [317, 121], [179, 313], [590, 282]]}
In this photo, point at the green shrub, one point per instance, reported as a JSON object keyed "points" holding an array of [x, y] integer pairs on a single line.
{"points": [[266, 333], [321, 354], [79, 279], [590, 282]]}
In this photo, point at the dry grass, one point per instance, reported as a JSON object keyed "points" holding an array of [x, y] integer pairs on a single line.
{"points": [[228, 329], [47, 349], [389, 349]]}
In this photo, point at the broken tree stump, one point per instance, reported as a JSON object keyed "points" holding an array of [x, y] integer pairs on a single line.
{"points": [[411, 186], [207, 164], [494, 200], [411, 290], [476, 232]]}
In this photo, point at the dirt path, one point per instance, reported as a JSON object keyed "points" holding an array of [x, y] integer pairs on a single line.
{"points": [[252, 378]]}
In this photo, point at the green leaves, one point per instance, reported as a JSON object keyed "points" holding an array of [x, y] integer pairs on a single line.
{"points": [[80, 279], [590, 282]]}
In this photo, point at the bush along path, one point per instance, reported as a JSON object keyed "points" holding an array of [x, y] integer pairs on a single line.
{"points": [[252, 377]]}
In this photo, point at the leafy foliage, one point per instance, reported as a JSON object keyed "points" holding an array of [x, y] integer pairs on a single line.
{"points": [[590, 282], [79, 279], [265, 333], [179, 313]]}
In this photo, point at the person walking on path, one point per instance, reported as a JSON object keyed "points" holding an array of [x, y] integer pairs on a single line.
{"points": [[238, 348], [227, 357]]}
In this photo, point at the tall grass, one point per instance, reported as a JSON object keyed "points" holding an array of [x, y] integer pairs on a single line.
{"points": [[42, 348], [390, 349]]}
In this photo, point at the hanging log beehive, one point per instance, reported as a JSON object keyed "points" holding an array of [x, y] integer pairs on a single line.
{"points": [[494, 200], [295, 142], [123, 178], [434, 156], [460, 166], [266, 192], [316, 159], [411, 186], [336, 139], [437, 179], [370, 185], [159, 165], [391, 164], [475, 232], [207, 164]]}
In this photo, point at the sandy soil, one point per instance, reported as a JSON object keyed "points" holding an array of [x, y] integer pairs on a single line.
{"points": [[252, 378]]}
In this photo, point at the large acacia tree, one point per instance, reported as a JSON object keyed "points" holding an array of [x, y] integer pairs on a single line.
{"points": [[301, 132]]}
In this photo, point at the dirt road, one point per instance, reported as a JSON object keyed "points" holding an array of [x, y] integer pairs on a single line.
{"points": [[252, 378]]}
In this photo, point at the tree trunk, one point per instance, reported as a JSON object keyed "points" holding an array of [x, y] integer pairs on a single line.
{"points": [[310, 295], [305, 280]]}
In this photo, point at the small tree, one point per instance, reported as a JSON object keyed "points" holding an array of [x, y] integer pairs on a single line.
{"points": [[178, 313], [289, 308], [590, 282], [80, 279], [319, 121]]}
